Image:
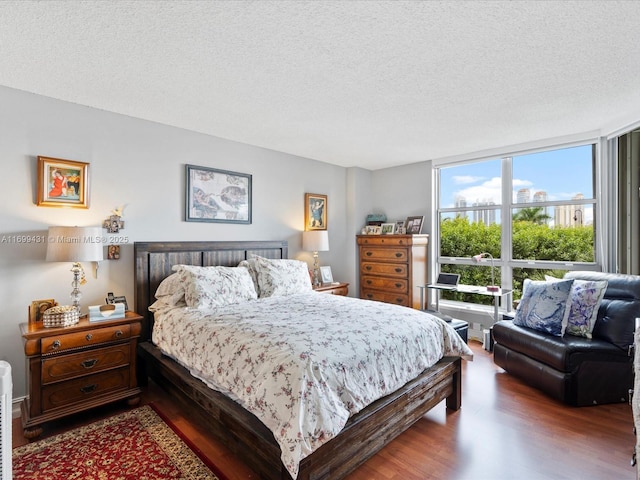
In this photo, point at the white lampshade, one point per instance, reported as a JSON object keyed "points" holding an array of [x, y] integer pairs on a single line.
{"points": [[315, 241], [74, 244]]}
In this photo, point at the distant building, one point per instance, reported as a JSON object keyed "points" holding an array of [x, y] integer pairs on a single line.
{"points": [[524, 195], [570, 215], [484, 215]]}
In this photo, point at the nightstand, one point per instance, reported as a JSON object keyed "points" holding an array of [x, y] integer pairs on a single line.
{"points": [[75, 368], [333, 288]]}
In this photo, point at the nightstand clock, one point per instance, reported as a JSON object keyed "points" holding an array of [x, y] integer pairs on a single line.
{"points": [[333, 288], [78, 367]]}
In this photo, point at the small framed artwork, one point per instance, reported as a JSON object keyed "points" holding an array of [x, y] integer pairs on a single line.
{"points": [[214, 195], [113, 252], [37, 308], [327, 276], [399, 228], [111, 299], [62, 183], [388, 228], [315, 211], [414, 225]]}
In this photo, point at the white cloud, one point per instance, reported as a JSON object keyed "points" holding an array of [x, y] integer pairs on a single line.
{"points": [[465, 179]]}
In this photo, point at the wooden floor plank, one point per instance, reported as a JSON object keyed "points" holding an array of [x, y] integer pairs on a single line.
{"points": [[504, 430]]}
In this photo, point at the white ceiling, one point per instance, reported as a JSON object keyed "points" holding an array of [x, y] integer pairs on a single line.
{"points": [[371, 84]]}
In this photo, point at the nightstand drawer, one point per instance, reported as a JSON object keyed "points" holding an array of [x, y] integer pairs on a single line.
{"points": [[398, 298], [68, 341], [400, 270], [391, 285], [85, 388], [385, 254], [55, 369]]}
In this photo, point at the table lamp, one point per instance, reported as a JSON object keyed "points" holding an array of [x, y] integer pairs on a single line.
{"points": [[315, 241], [477, 258], [75, 244]]}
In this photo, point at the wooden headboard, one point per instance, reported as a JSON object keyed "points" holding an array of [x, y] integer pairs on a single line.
{"points": [[154, 261]]}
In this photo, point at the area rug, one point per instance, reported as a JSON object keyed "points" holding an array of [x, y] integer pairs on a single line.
{"points": [[135, 445]]}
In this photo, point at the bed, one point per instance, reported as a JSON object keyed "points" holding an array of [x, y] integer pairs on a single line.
{"points": [[365, 432]]}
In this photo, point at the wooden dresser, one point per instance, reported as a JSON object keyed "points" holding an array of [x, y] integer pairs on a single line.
{"points": [[392, 267], [78, 367]]}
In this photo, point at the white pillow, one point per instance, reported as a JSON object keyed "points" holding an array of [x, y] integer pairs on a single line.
{"points": [[211, 287], [250, 265], [282, 277], [584, 302], [170, 290]]}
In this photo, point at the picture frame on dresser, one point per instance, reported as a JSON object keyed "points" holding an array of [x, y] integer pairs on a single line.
{"points": [[214, 195], [388, 228], [413, 225], [327, 276], [37, 309]]}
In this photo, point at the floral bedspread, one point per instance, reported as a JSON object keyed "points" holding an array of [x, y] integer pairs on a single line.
{"points": [[303, 364]]}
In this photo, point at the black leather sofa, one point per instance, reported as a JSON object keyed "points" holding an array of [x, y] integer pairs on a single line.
{"points": [[578, 371]]}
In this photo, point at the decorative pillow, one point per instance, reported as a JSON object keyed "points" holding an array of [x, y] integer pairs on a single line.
{"points": [[282, 277], [165, 303], [171, 290], [250, 265], [584, 301], [543, 306], [211, 287]]}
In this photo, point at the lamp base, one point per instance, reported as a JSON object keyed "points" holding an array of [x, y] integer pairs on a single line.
{"points": [[493, 288]]}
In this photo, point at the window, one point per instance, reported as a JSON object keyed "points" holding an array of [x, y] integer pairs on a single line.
{"points": [[534, 213]]}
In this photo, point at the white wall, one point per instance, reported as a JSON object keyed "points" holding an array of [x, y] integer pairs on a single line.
{"points": [[140, 164]]}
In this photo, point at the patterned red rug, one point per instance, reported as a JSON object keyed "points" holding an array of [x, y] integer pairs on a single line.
{"points": [[135, 445]]}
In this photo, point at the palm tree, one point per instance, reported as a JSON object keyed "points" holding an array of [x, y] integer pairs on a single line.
{"points": [[531, 214]]}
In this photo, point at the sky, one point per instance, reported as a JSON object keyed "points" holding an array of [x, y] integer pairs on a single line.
{"points": [[561, 173]]}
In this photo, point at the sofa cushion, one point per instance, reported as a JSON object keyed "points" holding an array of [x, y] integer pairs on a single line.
{"points": [[543, 306], [619, 307], [564, 354]]}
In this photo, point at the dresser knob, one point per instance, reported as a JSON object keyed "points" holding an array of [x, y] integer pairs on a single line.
{"points": [[55, 344], [88, 336], [368, 254], [398, 285], [398, 254], [118, 333], [89, 388], [368, 268], [398, 270]]}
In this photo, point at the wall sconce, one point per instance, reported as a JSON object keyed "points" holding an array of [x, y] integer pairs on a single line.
{"points": [[75, 244], [477, 259], [316, 241]]}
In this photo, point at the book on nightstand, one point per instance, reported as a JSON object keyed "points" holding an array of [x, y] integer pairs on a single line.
{"points": [[98, 313]]}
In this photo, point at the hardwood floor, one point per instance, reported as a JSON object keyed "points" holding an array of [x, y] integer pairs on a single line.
{"points": [[504, 430]]}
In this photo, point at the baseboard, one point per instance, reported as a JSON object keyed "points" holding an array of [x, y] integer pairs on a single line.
{"points": [[15, 407]]}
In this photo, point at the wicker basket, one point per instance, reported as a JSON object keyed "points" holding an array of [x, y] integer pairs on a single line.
{"points": [[60, 316]]}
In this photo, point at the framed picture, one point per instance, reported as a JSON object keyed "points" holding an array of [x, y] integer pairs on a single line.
{"points": [[113, 252], [62, 183], [315, 211], [327, 276], [37, 308], [400, 229], [414, 225], [214, 195], [111, 299], [388, 228]]}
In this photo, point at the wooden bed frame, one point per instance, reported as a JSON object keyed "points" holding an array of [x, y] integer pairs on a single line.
{"points": [[364, 434]]}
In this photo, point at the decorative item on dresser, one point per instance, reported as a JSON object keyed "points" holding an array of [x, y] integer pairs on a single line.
{"points": [[74, 368], [392, 267]]}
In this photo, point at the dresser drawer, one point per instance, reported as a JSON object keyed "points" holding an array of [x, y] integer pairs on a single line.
{"points": [[391, 285], [400, 270], [385, 240], [83, 389], [397, 298], [58, 368], [68, 341], [394, 254]]}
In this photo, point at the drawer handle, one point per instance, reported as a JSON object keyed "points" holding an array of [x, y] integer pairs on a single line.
{"points": [[398, 270], [89, 363], [368, 267], [398, 285], [398, 254], [368, 282], [368, 254], [55, 344], [88, 336], [369, 295], [399, 300], [89, 388], [118, 333]]}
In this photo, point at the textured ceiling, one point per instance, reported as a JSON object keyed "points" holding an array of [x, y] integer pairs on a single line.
{"points": [[355, 83]]}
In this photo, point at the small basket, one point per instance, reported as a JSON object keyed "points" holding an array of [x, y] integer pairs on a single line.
{"points": [[60, 316]]}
